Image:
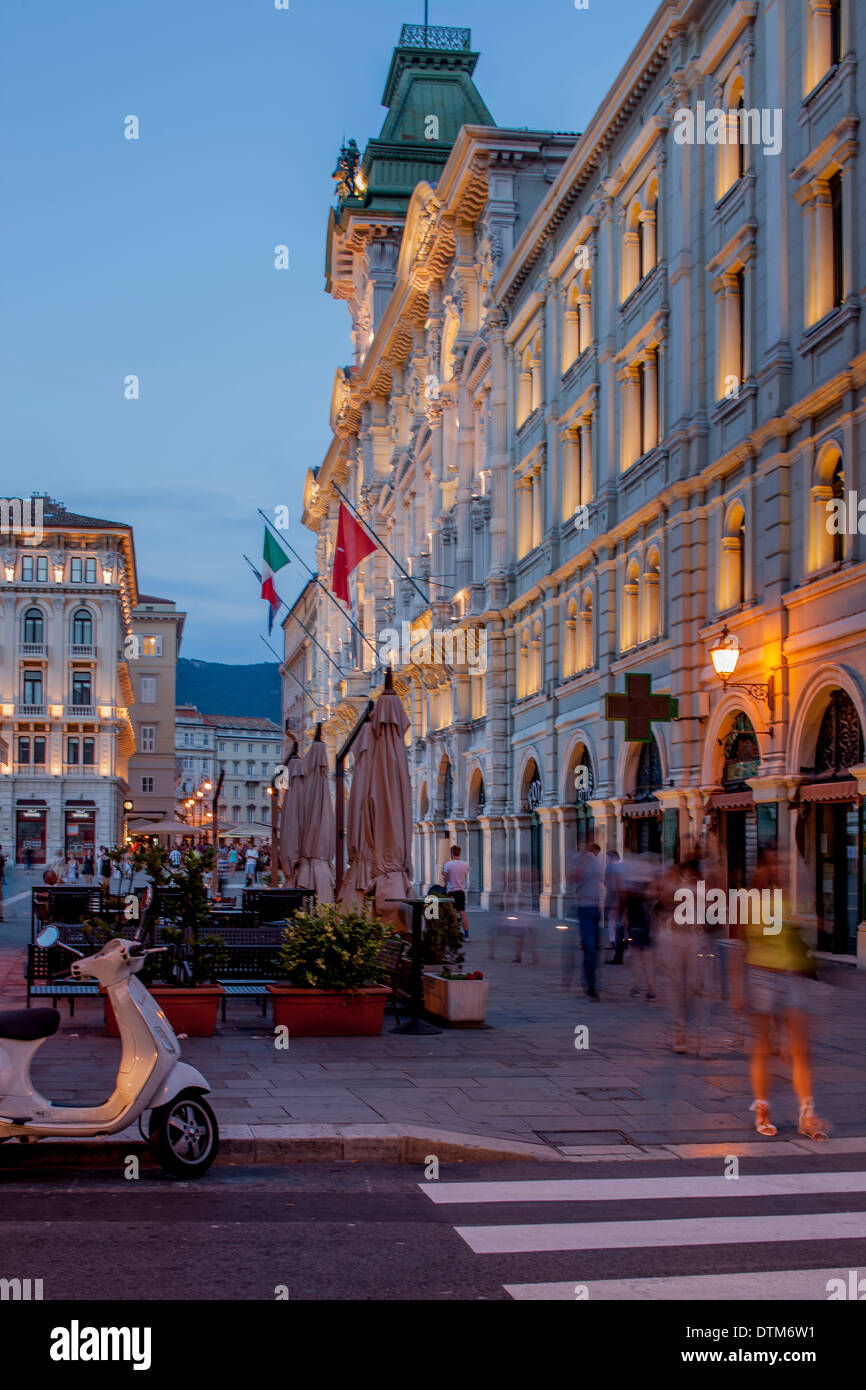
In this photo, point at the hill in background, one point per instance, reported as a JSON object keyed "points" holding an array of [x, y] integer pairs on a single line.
{"points": [[217, 688]]}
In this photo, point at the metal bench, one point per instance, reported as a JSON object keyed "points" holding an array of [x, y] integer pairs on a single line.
{"points": [[246, 989], [41, 964]]}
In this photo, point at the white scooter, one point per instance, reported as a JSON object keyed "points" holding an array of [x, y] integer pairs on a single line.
{"points": [[183, 1133]]}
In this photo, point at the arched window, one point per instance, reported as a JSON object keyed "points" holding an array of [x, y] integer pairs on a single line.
{"points": [[577, 328], [732, 154], [652, 597], [587, 654], [523, 664], [524, 388], [733, 576], [536, 374], [630, 607], [33, 629], [82, 628], [536, 657], [447, 792], [632, 252], [569, 646]]}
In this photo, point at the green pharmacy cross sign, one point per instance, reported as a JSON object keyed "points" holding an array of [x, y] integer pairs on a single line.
{"points": [[639, 708]]}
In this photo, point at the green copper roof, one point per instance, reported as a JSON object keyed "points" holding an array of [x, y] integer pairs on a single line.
{"points": [[433, 81]]}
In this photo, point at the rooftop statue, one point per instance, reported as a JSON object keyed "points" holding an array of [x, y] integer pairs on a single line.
{"points": [[347, 167]]}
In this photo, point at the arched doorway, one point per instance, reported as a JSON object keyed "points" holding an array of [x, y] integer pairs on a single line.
{"points": [[642, 815], [475, 848], [530, 874], [739, 837], [583, 783], [831, 798]]}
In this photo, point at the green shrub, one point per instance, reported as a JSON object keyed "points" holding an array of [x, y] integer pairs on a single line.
{"points": [[333, 948]]}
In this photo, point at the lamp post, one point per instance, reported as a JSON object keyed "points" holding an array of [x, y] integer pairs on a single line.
{"points": [[724, 654]]}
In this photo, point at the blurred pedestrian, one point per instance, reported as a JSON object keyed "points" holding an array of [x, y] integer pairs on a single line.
{"points": [[87, 866], [638, 904], [777, 986], [588, 880], [104, 869], [613, 907], [28, 859], [685, 957]]}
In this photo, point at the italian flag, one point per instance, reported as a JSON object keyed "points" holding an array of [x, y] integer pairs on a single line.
{"points": [[274, 558]]}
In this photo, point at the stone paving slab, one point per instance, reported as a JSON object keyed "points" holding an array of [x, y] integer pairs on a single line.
{"points": [[521, 1075]]}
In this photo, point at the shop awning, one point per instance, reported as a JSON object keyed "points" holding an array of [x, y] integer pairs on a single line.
{"points": [[641, 810], [731, 801], [845, 790], [80, 803], [21, 802]]}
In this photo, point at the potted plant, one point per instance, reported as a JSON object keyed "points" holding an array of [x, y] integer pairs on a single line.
{"points": [[331, 957], [449, 993], [181, 978]]}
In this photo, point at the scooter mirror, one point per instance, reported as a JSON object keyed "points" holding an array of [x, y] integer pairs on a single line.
{"points": [[48, 937]]}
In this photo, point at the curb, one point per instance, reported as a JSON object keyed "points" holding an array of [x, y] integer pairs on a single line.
{"points": [[273, 1144]]}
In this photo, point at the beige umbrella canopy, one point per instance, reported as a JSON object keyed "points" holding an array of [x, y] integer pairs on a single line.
{"points": [[356, 883], [290, 817], [318, 827], [388, 806]]}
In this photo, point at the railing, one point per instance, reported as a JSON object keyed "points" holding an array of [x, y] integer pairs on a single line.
{"points": [[81, 711], [32, 711], [32, 649], [442, 37], [31, 770], [80, 770], [82, 649]]}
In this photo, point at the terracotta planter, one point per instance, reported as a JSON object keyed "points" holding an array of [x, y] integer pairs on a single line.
{"points": [[462, 1003], [321, 1013], [192, 1011]]}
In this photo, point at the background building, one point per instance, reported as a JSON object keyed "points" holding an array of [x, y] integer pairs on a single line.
{"points": [[158, 628], [249, 751], [603, 390], [66, 608]]}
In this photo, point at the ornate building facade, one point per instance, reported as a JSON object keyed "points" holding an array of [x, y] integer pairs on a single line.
{"points": [[67, 599], [605, 392]]}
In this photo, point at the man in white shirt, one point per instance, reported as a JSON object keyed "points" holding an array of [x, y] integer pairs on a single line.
{"points": [[456, 876]]}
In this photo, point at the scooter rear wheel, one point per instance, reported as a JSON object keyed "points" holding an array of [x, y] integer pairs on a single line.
{"points": [[184, 1136]]}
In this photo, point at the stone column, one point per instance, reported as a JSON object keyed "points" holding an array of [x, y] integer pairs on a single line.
{"points": [[550, 873]]}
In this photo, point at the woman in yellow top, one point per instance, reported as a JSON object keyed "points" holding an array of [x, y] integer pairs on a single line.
{"points": [[778, 963]]}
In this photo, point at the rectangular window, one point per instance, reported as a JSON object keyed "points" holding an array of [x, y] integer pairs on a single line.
{"points": [[147, 784], [41, 569], [643, 404], [33, 687], [148, 738], [147, 690], [88, 751], [27, 569], [39, 749], [838, 270], [835, 32], [90, 571], [23, 752], [73, 749], [236, 793], [81, 688], [75, 571], [222, 748], [151, 646], [236, 813], [251, 815]]}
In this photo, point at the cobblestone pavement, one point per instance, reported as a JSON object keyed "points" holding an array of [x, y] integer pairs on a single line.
{"points": [[520, 1077]]}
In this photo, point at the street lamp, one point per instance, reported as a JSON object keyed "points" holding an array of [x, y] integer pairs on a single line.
{"points": [[724, 654]]}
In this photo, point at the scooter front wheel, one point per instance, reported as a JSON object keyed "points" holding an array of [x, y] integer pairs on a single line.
{"points": [[184, 1136]]}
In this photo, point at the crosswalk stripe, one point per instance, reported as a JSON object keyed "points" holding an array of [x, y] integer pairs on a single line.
{"points": [[634, 1189], [778, 1285], [626, 1235]]}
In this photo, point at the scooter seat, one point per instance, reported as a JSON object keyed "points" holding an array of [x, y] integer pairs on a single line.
{"points": [[26, 1025]]}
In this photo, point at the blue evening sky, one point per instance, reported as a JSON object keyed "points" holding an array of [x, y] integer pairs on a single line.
{"points": [[156, 257]]}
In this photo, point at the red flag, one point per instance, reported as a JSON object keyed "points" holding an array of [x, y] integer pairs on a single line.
{"points": [[353, 545]]}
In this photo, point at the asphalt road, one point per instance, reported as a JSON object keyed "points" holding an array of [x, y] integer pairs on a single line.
{"points": [[359, 1232]]}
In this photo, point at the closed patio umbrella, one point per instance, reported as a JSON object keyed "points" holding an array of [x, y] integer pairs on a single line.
{"points": [[290, 817], [356, 883], [388, 806], [318, 827]]}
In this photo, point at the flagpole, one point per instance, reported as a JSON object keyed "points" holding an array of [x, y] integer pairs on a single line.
{"points": [[318, 581], [292, 614], [292, 674], [368, 527]]}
